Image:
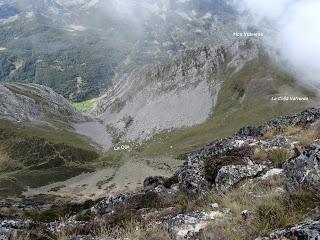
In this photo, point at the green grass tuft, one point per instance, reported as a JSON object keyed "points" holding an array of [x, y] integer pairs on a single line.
{"points": [[83, 105]]}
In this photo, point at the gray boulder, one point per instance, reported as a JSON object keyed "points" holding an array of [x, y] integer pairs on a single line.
{"points": [[186, 226], [228, 176], [307, 231], [303, 172], [5, 233], [154, 181], [138, 200]]}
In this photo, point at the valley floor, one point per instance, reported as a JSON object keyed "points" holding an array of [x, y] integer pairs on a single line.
{"points": [[108, 181]]}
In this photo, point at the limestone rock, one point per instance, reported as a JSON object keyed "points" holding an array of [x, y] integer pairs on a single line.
{"points": [[185, 226], [310, 231], [303, 171], [228, 176]]}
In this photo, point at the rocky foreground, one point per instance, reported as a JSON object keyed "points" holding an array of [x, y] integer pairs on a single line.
{"points": [[261, 183]]}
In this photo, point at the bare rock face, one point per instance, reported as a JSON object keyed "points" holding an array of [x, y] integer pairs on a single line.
{"points": [[303, 172], [229, 176], [32, 102]]}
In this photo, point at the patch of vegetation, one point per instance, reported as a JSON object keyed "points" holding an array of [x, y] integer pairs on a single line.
{"points": [[260, 155], [279, 156], [103, 182], [34, 156], [56, 189], [309, 136], [280, 212], [182, 202], [57, 212], [83, 105], [271, 211]]}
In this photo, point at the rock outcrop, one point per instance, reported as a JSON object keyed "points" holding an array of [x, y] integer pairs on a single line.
{"points": [[303, 172], [310, 231], [229, 176], [306, 117], [186, 226], [192, 175]]}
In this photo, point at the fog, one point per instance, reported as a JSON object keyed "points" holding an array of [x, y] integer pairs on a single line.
{"points": [[297, 36]]}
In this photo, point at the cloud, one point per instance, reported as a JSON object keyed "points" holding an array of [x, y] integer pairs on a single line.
{"points": [[298, 32]]}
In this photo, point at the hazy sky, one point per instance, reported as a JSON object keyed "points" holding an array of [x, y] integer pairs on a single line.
{"points": [[298, 37]]}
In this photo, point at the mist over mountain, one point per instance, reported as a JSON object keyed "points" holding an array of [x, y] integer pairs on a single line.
{"points": [[296, 36], [75, 47]]}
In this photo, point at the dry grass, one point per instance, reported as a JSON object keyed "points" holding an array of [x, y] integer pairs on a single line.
{"points": [[270, 134], [309, 135], [279, 156], [292, 130], [133, 230], [271, 210], [260, 155]]}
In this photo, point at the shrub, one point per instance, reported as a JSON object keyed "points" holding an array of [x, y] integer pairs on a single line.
{"points": [[279, 156], [277, 212], [260, 155]]}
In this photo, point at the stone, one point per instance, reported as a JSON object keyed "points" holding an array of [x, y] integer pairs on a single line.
{"points": [[153, 181], [303, 171], [215, 206], [5, 233], [310, 231], [247, 214], [138, 200], [185, 226], [229, 176]]}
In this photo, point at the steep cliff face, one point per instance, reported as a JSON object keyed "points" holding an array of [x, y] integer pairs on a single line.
{"points": [[180, 93]]}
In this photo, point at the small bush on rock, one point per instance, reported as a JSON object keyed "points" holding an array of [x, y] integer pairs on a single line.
{"points": [[279, 156]]}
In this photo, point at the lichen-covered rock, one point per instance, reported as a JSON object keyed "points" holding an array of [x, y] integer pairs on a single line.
{"points": [[6, 233], [185, 226], [303, 172], [192, 177], [306, 231], [138, 200], [228, 176]]}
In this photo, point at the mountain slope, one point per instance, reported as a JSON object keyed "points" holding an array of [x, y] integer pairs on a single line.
{"points": [[37, 142], [213, 91]]}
